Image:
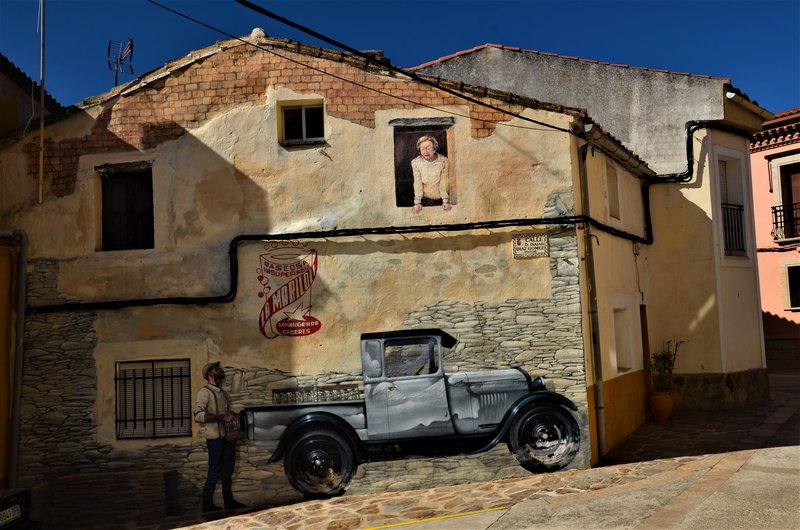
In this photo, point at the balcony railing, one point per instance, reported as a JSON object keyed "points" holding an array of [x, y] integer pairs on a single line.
{"points": [[786, 221], [733, 226]]}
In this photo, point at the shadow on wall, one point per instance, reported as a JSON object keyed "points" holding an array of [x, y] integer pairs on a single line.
{"points": [[781, 341], [201, 202]]}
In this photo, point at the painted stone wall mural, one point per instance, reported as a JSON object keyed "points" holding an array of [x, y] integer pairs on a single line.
{"points": [[286, 273]]}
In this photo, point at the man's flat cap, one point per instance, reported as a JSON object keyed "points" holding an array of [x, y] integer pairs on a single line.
{"points": [[207, 368]]}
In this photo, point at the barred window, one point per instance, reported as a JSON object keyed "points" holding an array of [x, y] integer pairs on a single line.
{"points": [[153, 399]]}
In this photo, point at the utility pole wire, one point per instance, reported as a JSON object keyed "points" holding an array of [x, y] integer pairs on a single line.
{"points": [[394, 68], [397, 69]]}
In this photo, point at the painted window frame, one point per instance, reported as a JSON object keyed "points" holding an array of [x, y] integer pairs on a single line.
{"points": [[304, 138], [142, 410], [406, 132]]}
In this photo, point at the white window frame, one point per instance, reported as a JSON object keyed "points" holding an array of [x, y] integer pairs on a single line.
{"points": [[303, 105], [726, 154], [624, 337], [787, 301]]}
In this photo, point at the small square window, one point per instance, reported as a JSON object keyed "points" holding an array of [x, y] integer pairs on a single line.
{"points": [[303, 124], [153, 399], [127, 206]]}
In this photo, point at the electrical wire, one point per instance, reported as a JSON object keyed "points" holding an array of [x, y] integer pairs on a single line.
{"points": [[325, 234], [412, 75], [415, 77]]}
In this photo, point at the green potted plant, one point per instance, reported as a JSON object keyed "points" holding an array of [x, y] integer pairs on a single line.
{"points": [[665, 397]]}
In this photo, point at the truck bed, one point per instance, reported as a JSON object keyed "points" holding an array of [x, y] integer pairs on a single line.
{"points": [[266, 423]]}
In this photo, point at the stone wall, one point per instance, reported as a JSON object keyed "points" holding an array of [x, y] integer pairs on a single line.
{"points": [[78, 482], [718, 391]]}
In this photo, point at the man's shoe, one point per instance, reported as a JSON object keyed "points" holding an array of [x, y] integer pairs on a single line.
{"points": [[211, 507], [233, 504]]}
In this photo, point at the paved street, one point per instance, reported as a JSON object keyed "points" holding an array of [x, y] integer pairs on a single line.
{"points": [[723, 469]]}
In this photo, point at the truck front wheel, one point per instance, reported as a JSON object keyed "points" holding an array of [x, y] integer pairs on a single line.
{"points": [[544, 437], [319, 463]]}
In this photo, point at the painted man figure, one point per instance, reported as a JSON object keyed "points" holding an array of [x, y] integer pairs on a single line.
{"points": [[431, 174], [213, 410]]}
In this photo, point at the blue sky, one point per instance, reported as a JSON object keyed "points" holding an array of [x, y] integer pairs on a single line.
{"points": [[756, 43]]}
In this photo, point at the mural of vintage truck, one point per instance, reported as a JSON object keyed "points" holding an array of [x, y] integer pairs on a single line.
{"points": [[411, 406]]}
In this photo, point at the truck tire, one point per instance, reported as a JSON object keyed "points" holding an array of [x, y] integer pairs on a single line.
{"points": [[319, 463], [544, 437]]}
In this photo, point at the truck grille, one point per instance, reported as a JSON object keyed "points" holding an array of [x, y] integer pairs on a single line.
{"points": [[492, 406]]}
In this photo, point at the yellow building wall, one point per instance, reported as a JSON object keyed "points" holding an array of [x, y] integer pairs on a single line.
{"points": [[620, 274], [625, 409], [231, 177], [682, 295]]}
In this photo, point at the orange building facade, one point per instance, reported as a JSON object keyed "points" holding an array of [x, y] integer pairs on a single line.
{"points": [[775, 162]]}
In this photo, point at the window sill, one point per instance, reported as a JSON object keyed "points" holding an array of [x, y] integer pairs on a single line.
{"points": [[302, 143], [787, 241]]}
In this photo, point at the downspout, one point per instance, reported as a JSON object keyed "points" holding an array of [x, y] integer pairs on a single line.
{"points": [[41, 106], [597, 359], [19, 332]]}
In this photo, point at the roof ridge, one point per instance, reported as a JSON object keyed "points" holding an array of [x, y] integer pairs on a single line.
{"points": [[556, 55], [16, 74]]}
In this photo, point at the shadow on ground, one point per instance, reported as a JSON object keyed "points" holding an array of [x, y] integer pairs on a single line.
{"points": [[693, 432]]}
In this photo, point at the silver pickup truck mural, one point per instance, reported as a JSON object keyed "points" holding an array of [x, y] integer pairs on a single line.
{"points": [[411, 406]]}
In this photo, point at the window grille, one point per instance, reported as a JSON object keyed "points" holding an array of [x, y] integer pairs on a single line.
{"points": [[733, 227], [153, 399], [786, 221]]}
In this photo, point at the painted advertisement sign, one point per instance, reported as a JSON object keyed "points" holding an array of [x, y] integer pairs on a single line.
{"points": [[286, 273]]}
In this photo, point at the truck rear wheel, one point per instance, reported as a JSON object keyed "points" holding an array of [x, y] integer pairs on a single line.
{"points": [[319, 463], [544, 437]]}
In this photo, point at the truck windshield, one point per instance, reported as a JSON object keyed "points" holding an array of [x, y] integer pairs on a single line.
{"points": [[414, 356]]}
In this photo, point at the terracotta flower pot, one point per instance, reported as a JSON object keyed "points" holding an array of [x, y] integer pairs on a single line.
{"points": [[660, 405]]}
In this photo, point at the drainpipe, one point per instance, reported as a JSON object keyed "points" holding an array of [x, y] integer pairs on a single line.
{"points": [[41, 107], [19, 332], [597, 360]]}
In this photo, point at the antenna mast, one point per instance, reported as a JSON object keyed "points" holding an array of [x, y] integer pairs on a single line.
{"points": [[120, 58]]}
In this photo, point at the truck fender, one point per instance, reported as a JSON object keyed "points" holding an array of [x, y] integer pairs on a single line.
{"points": [[521, 403], [316, 419]]}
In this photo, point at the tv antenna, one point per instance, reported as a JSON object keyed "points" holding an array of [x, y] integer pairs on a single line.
{"points": [[120, 57]]}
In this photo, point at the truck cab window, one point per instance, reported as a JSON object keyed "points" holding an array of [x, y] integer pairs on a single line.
{"points": [[408, 357]]}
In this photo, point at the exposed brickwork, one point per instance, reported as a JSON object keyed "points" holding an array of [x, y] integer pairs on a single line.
{"points": [[190, 96]]}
